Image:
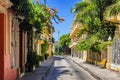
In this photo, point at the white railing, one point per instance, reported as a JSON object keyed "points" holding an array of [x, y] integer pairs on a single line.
{"points": [[72, 44], [76, 27]]}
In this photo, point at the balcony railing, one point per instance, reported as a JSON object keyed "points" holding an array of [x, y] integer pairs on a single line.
{"points": [[75, 30], [72, 44]]}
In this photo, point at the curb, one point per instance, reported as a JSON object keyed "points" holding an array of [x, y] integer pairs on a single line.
{"points": [[40, 72], [90, 72], [44, 74]]}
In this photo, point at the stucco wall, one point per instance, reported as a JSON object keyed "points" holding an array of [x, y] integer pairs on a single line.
{"points": [[6, 70], [1, 45]]}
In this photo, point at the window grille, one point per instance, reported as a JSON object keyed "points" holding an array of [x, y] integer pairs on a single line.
{"points": [[116, 51]]}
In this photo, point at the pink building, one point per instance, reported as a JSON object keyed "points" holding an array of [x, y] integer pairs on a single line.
{"points": [[12, 44]]}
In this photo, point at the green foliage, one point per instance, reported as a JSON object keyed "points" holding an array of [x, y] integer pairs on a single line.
{"points": [[44, 47], [88, 43], [103, 45], [33, 58], [46, 55], [65, 40], [64, 43], [107, 29], [41, 58], [35, 14], [82, 31], [93, 43], [84, 45], [56, 49], [79, 6], [113, 9], [90, 14]]}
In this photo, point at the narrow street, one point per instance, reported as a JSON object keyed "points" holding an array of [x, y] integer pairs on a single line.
{"points": [[65, 69]]}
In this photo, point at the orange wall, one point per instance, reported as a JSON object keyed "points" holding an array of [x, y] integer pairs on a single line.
{"points": [[10, 73], [6, 70]]}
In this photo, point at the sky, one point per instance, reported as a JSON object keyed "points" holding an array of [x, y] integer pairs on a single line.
{"points": [[64, 8]]}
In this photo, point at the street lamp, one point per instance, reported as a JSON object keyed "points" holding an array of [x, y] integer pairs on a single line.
{"points": [[58, 41]]}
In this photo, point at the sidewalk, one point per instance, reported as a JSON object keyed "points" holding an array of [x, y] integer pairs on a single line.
{"points": [[96, 71], [40, 72]]}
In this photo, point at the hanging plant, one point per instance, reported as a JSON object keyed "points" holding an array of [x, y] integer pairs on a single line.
{"points": [[25, 26], [34, 14]]}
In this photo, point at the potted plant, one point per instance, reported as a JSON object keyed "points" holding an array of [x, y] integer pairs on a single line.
{"points": [[30, 61], [46, 55]]}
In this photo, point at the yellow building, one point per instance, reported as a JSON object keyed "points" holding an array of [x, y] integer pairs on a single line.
{"points": [[113, 60], [47, 34], [50, 41], [109, 58], [88, 56], [39, 43], [75, 29]]}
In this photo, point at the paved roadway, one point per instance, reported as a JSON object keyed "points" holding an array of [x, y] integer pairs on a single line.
{"points": [[65, 69]]}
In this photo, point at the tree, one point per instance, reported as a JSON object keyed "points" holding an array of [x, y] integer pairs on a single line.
{"points": [[64, 43], [113, 9], [38, 15], [90, 14], [56, 49]]}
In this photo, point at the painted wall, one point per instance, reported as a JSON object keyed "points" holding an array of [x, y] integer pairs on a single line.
{"points": [[1, 45], [10, 72], [6, 70]]}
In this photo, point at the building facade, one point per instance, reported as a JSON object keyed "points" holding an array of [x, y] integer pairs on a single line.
{"points": [[113, 60], [47, 34], [109, 58], [7, 69], [74, 41], [85, 55], [13, 44]]}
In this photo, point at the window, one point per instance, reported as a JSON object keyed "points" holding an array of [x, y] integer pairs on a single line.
{"points": [[13, 42], [116, 52]]}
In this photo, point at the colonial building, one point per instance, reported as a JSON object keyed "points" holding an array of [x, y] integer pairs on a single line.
{"points": [[109, 58], [75, 29], [86, 55], [113, 60], [51, 41], [13, 44], [47, 34], [7, 62]]}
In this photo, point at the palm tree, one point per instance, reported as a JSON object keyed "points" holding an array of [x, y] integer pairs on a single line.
{"points": [[79, 6], [44, 1], [86, 14], [113, 9], [90, 14]]}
